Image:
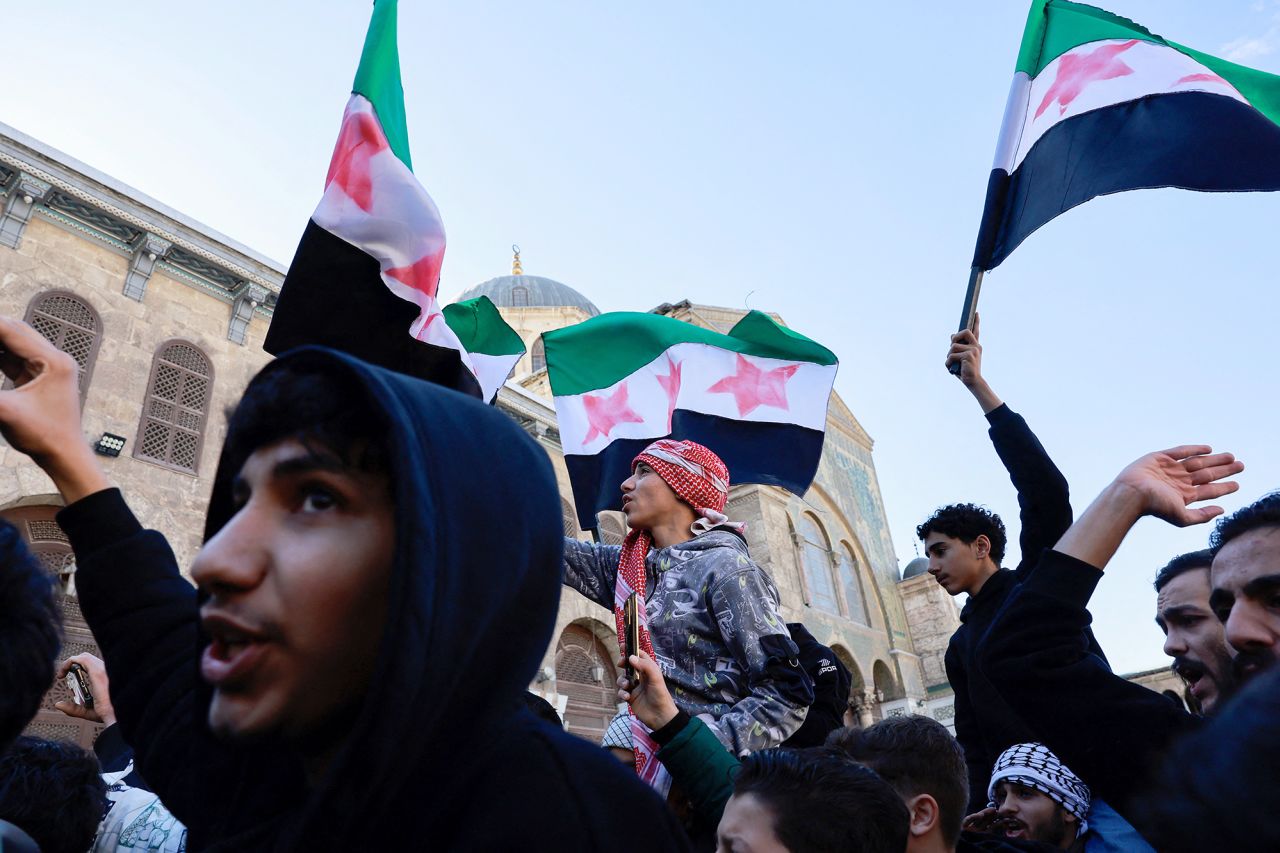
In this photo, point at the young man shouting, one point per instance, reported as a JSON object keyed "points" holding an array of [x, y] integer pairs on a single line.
{"points": [[1193, 636], [350, 674]]}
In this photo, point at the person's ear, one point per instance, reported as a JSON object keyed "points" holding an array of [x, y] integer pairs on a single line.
{"points": [[982, 546], [924, 814]]}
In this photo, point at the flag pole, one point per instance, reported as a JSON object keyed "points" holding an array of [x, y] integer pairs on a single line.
{"points": [[970, 309]]}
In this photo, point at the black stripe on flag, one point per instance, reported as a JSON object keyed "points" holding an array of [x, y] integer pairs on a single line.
{"points": [[783, 455], [334, 296], [1187, 140]]}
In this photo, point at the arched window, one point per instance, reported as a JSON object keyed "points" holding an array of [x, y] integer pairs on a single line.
{"points": [[538, 356], [585, 673], [176, 407], [72, 326], [570, 520], [817, 565], [851, 585], [613, 527], [519, 296]]}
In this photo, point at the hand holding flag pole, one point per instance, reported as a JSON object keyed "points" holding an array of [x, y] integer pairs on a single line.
{"points": [[970, 310]]}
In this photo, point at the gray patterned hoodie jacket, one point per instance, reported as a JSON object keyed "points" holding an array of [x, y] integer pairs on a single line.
{"points": [[717, 634]]}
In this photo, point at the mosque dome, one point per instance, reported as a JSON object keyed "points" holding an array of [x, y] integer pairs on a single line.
{"points": [[917, 567], [529, 291]]}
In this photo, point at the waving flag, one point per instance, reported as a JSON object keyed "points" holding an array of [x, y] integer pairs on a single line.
{"points": [[756, 396], [1101, 105], [365, 275]]}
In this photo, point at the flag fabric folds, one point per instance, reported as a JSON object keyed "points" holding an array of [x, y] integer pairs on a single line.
{"points": [[1101, 105], [365, 274], [756, 396]]}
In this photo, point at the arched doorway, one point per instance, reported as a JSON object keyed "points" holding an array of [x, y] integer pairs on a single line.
{"points": [[585, 673], [52, 549]]}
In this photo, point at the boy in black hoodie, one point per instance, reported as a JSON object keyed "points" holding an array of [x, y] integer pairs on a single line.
{"points": [[379, 579]]}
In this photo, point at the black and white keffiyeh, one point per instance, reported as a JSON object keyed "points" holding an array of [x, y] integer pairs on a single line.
{"points": [[1033, 765]]}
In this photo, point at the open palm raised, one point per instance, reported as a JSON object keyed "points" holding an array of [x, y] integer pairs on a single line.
{"points": [[1169, 481]]}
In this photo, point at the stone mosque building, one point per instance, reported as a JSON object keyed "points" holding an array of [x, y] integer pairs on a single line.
{"points": [[166, 319]]}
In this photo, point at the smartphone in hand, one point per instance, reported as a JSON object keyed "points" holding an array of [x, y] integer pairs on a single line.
{"points": [[631, 627], [77, 680]]}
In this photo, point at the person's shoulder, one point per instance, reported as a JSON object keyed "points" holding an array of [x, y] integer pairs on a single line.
{"points": [[583, 786], [593, 773]]}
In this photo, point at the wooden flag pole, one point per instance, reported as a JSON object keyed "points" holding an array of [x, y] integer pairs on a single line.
{"points": [[970, 309]]}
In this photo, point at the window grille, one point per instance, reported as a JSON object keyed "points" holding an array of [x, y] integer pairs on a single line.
{"points": [[519, 296], [585, 674], [45, 530], [570, 521], [613, 528], [176, 408], [71, 325]]}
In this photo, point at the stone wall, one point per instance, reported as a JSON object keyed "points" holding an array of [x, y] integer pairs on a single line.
{"points": [[934, 618], [53, 258]]}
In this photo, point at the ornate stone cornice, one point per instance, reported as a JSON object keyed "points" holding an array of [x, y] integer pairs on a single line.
{"points": [[85, 200]]}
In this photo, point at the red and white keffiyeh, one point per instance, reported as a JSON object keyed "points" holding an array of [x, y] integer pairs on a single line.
{"points": [[699, 478]]}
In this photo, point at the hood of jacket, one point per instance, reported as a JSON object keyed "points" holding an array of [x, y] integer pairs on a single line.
{"points": [[473, 597]]}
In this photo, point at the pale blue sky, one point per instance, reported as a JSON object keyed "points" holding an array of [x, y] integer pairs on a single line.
{"points": [[829, 159]]}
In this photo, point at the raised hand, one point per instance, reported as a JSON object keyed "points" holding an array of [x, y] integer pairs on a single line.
{"points": [[648, 695], [99, 686], [967, 353], [1169, 481], [1163, 484], [40, 415]]}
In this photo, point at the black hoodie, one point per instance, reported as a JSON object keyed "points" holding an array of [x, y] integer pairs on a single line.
{"points": [[443, 755]]}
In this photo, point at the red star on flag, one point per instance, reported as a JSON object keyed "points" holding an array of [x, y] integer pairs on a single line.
{"points": [[671, 385], [359, 140], [752, 387], [1077, 70], [604, 412], [423, 274]]}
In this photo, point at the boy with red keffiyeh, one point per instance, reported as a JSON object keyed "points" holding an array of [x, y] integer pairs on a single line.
{"points": [[710, 616]]}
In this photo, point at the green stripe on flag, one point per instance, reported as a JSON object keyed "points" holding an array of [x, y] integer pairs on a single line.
{"points": [[599, 352], [1259, 88], [378, 78], [1057, 26], [481, 329]]}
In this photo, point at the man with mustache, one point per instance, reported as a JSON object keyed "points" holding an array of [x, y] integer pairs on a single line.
{"points": [[1193, 634], [1035, 655], [1033, 796]]}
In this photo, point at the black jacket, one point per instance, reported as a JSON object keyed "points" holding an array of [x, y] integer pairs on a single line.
{"points": [[831, 682], [1037, 657], [443, 754], [984, 726]]}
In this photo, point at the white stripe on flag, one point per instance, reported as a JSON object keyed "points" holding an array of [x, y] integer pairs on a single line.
{"points": [[807, 392], [1102, 74]]}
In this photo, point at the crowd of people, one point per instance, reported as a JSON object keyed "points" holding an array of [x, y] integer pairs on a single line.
{"points": [[350, 669]]}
